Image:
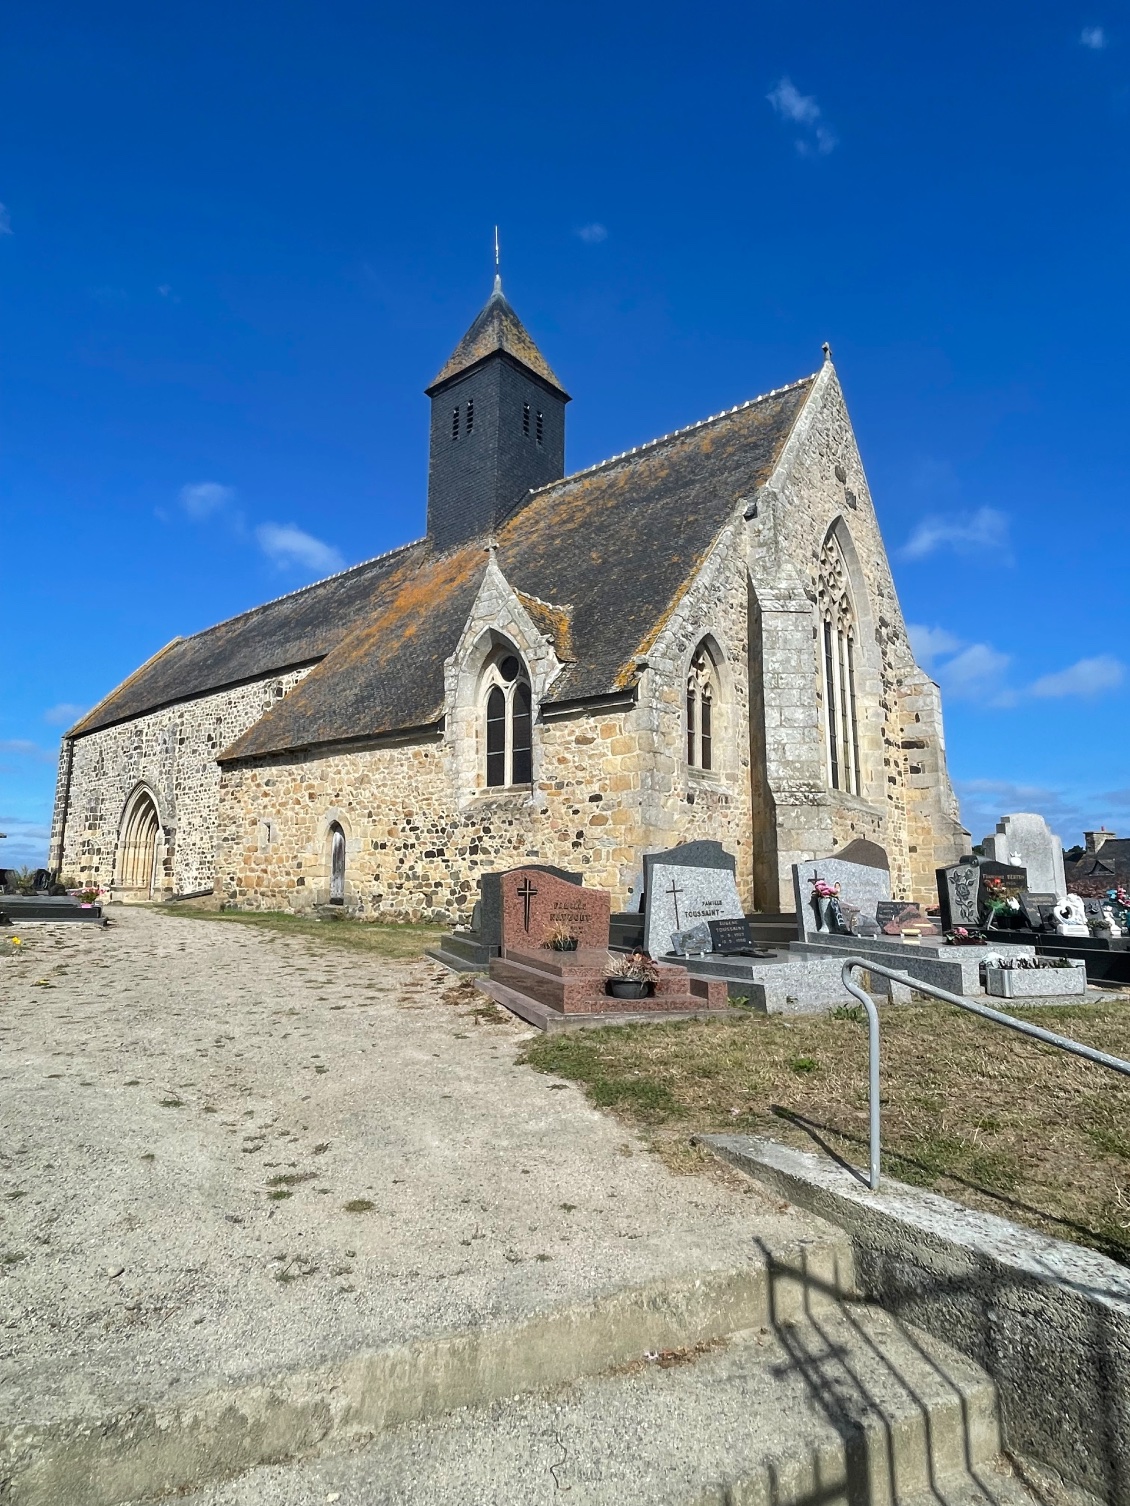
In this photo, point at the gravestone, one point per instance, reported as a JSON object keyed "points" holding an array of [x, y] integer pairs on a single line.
{"points": [[489, 908], [535, 902], [958, 893], [730, 937], [863, 874], [1036, 909], [1027, 841], [686, 886]]}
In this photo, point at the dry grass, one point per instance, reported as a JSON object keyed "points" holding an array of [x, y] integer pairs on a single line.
{"points": [[983, 1115], [397, 942]]}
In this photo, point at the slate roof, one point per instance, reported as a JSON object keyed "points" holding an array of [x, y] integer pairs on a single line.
{"points": [[1095, 872], [600, 559], [292, 630], [497, 327]]}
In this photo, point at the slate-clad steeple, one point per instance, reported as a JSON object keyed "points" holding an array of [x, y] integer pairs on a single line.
{"points": [[498, 426]]}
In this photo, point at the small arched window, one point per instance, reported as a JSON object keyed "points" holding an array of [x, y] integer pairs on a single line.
{"points": [[836, 649], [337, 865], [508, 705], [702, 698]]}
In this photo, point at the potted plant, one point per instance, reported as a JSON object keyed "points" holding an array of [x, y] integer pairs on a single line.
{"points": [[560, 939], [88, 897], [631, 975], [961, 936]]}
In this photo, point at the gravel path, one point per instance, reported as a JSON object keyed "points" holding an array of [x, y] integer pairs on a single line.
{"points": [[190, 1110]]}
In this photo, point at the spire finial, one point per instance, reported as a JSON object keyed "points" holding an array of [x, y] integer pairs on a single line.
{"points": [[827, 349], [497, 264]]}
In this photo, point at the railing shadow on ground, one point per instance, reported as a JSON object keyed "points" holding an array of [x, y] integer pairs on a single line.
{"points": [[816, 1130], [846, 1401]]}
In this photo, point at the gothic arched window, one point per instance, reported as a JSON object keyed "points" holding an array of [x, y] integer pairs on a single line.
{"points": [[508, 705], [702, 701], [836, 649]]}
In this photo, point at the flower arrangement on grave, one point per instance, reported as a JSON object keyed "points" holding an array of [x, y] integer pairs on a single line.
{"points": [[964, 936], [559, 938], [25, 881], [88, 896], [1002, 901], [630, 975], [822, 890], [826, 903], [1119, 901]]}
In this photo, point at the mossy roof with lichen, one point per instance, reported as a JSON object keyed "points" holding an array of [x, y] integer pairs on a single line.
{"points": [[600, 560]]}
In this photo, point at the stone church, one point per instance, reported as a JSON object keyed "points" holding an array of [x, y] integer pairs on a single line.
{"points": [[699, 638]]}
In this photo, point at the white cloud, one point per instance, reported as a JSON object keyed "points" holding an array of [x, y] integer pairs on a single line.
{"points": [[21, 747], [285, 545], [964, 533], [1087, 677], [593, 234], [5, 220], [792, 105], [976, 674], [204, 498], [802, 110], [65, 714], [26, 843], [1069, 813], [1093, 37], [930, 643]]}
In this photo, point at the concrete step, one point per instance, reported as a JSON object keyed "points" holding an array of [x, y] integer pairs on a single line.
{"points": [[844, 1406], [180, 1439]]}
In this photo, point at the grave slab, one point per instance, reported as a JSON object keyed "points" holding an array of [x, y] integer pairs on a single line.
{"points": [[862, 885]]}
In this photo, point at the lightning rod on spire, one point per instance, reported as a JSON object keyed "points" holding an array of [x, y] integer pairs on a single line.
{"points": [[497, 264]]}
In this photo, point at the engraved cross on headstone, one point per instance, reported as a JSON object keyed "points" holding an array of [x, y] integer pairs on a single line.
{"points": [[526, 892], [674, 892]]}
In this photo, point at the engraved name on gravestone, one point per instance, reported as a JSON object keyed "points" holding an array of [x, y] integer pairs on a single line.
{"points": [[534, 903], [730, 936], [490, 904], [863, 874], [958, 889], [687, 886], [1011, 878]]}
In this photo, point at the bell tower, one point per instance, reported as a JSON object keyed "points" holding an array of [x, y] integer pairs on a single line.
{"points": [[498, 427]]}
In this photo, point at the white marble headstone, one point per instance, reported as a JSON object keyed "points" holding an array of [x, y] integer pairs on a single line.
{"points": [[1027, 841]]}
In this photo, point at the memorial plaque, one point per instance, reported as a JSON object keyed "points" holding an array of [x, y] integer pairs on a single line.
{"points": [[730, 935], [695, 942], [534, 903], [896, 916], [958, 895], [687, 886], [1010, 878]]}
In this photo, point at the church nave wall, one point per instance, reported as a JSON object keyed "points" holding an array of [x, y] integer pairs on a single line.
{"points": [[173, 752]]}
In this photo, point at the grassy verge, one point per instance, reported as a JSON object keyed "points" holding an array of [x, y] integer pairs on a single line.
{"points": [[978, 1113], [398, 942]]}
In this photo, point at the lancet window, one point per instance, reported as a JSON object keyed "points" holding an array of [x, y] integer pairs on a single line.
{"points": [[837, 651], [508, 710], [702, 701]]}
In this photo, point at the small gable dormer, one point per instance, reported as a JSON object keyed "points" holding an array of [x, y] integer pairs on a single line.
{"points": [[498, 427]]}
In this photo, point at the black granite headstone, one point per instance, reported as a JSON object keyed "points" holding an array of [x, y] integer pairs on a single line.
{"points": [[730, 935], [958, 895], [1011, 877]]}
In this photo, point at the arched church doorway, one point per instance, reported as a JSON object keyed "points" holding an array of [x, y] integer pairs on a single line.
{"points": [[337, 865], [136, 866]]}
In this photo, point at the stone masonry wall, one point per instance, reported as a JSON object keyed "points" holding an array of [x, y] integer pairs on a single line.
{"points": [[173, 751]]}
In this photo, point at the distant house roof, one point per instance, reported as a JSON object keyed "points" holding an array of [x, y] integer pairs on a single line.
{"points": [[497, 327], [600, 559], [1095, 872]]}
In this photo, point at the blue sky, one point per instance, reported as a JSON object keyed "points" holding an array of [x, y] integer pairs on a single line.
{"points": [[237, 242]]}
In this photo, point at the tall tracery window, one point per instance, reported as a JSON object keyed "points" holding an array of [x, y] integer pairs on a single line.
{"points": [[702, 701], [837, 669], [509, 721]]}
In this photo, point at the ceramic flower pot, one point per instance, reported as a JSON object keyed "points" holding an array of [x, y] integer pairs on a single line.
{"points": [[568, 945], [627, 988]]}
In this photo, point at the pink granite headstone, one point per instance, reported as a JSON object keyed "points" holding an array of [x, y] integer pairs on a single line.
{"points": [[534, 903]]}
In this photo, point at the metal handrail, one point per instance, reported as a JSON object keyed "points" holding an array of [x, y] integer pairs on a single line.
{"points": [[1049, 1037]]}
